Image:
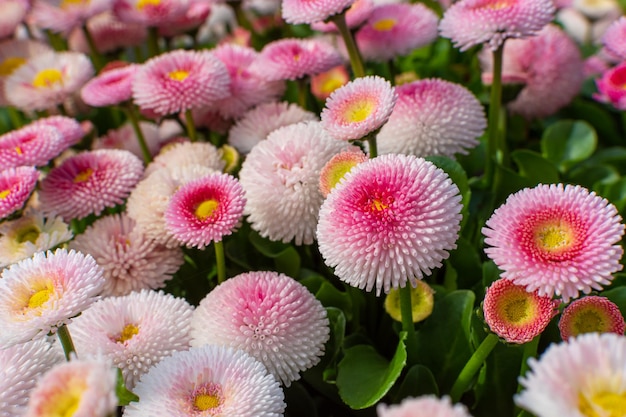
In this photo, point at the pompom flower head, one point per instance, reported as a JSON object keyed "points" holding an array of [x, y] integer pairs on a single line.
{"points": [[299, 11], [426, 406], [209, 380], [338, 166], [13, 54], [110, 87], [13, 13], [64, 15], [41, 293], [16, 185], [474, 22], [559, 240], [614, 39], [389, 222], [324, 83], [610, 87], [35, 144], [358, 108], [591, 314], [268, 315], [516, 315]]}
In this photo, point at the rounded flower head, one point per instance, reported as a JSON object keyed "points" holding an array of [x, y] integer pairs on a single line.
{"points": [[47, 80], [338, 166], [150, 12], [356, 14], [474, 22], [22, 365], [41, 293], [34, 144], [84, 388], [13, 12], [433, 117], [259, 122], [16, 185], [559, 240], [396, 29], [130, 260], [14, 54], [64, 15], [390, 220], [591, 314], [109, 34], [324, 83], [280, 177], [89, 182], [180, 80], [70, 129], [268, 315], [135, 331], [290, 59], [426, 406], [298, 11], [614, 39], [184, 154], [205, 210], [582, 377], [610, 87], [210, 380], [110, 87], [358, 108], [516, 315]]}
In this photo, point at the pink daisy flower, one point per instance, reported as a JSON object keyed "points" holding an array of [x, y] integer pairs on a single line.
{"points": [[210, 380], [298, 11], [258, 123], [474, 22], [516, 315], [22, 365], [338, 166], [180, 80], [31, 145], [614, 39], [65, 15], [591, 314], [523, 61], [13, 54], [425, 406], [70, 129], [89, 182], [559, 240], [205, 210], [16, 185], [389, 221], [196, 15], [358, 108], [131, 261], [125, 138], [13, 13], [280, 177], [269, 316], [324, 83], [110, 87], [581, 377], [433, 117], [135, 331], [356, 14], [247, 85], [610, 87], [41, 293], [396, 29], [290, 59], [150, 12], [47, 80], [82, 387], [184, 154], [109, 34]]}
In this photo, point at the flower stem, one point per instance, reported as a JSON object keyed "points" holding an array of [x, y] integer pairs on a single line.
{"points": [[530, 351], [191, 127], [353, 51], [153, 41], [373, 147], [407, 324], [66, 341], [495, 149], [134, 121], [221, 261], [97, 59], [302, 91], [472, 366]]}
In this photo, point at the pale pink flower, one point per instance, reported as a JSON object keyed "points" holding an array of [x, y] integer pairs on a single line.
{"points": [[324, 83], [125, 138], [390, 221], [196, 14], [16, 185], [71, 130], [65, 15], [425, 406], [559, 240], [591, 314], [299, 11], [89, 182], [184, 154], [611, 87], [269, 316], [150, 12], [110, 87], [13, 13], [109, 34], [14, 54], [614, 39], [356, 14], [32, 145], [358, 108]]}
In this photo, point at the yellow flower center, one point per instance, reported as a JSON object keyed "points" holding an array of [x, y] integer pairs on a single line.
{"points": [[378, 205], [28, 234], [384, 25], [128, 332], [66, 400], [339, 171], [516, 307], [4, 194], [40, 297], [178, 75], [553, 236], [589, 321], [205, 402], [516, 310], [330, 84], [10, 64], [68, 3], [605, 404], [48, 77], [206, 209], [18, 150], [141, 4], [83, 176], [359, 111]]}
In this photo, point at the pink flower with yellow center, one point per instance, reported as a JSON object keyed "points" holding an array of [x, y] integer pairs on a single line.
{"points": [[299, 11], [612, 87], [89, 182], [65, 15], [474, 22], [356, 14], [205, 210], [516, 315], [70, 129], [390, 221], [32, 145], [110, 87], [591, 314], [180, 80], [150, 12], [338, 166], [323, 84], [614, 38], [16, 185], [358, 108], [13, 54], [13, 13], [558, 240], [109, 34]]}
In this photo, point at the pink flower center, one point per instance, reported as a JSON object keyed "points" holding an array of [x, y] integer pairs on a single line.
{"points": [[47, 78], [9, 65], [209, 398], [552, 235], [206, 208], [384, 25], [379, 204]]}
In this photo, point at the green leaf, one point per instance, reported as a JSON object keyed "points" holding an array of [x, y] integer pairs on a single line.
{"points": [[466, 259], [618, 296], [535, 167], [288, 262], [568, 142], [337, 324], [509, 182], [124, 396], [597, 174], [267, 247], [418, 381], [364, 376]]}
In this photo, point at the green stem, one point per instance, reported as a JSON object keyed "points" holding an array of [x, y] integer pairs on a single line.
{"points": [[221, 261], [494, 153], [134, 121], [353, 51], [98, 60], [66, 341], [407, 324], [530, 351], [56, 41], [472, 366], [15, 116], [191, 127], [153, 41], [302, 91], [373, 146]]}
